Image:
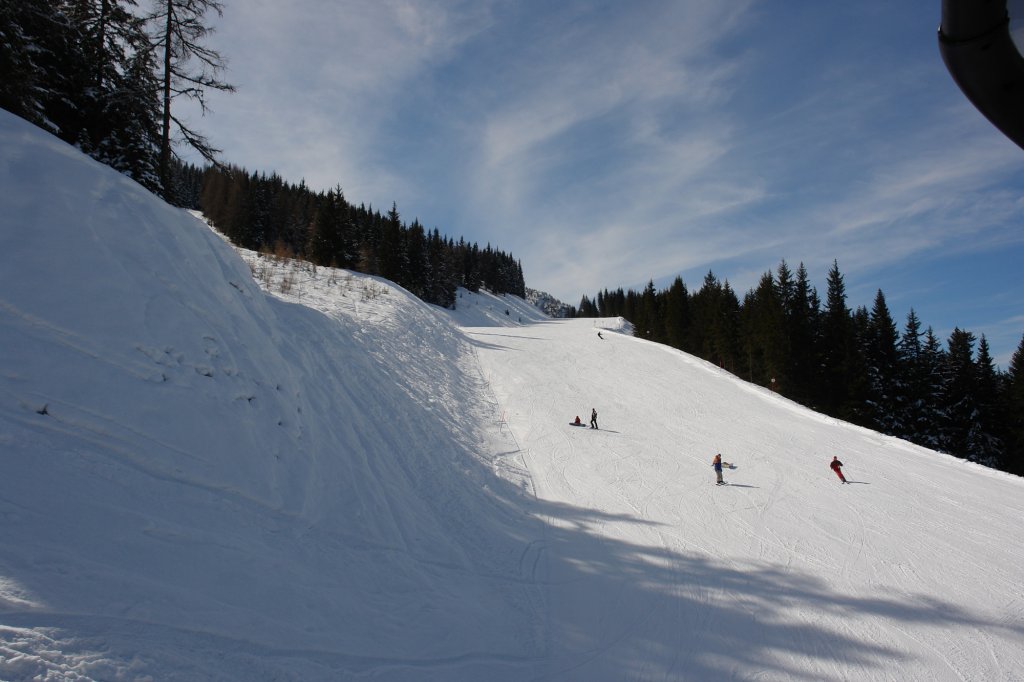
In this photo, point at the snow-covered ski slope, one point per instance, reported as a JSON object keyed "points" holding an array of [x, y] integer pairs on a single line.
{"points": [[335, 481]]}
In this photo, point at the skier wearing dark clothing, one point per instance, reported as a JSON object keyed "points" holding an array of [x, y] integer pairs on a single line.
{"points": [[717, 464], [836, 466], [593, 418]]}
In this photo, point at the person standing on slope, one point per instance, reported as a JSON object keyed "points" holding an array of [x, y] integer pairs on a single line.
{"points": [[593, 418], [837, 466], [717, 463]]}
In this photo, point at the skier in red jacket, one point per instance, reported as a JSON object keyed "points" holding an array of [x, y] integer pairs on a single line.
{"points": [[837, 467]]}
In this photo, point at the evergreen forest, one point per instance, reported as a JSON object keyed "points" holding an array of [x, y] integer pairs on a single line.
{"points": [[855, 365], [105, 76], [268, 214]]}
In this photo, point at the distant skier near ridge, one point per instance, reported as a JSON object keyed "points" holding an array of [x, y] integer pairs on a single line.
{"points": [[836, 466], [599, 336], [717, 464], [593, 418]]}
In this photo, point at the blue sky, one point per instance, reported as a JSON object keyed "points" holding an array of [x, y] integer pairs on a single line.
{"points": [[605, 144]]}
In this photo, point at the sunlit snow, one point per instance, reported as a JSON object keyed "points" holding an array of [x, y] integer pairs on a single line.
{"points": [[222, 466]]}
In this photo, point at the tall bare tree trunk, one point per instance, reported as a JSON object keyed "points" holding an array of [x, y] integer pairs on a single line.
{"points": [[165, 136]]}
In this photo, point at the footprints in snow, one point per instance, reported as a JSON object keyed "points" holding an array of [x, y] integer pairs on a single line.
{"points": [[177, 366]]}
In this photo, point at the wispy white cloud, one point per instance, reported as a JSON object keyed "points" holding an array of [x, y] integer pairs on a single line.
{"points": [[318, 81], [606, 144]]}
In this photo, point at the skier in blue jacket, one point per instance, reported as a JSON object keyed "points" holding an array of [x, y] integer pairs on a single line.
{"points": [[717, 463]]}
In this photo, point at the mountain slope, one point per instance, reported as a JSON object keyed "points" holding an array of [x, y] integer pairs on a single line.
{"points": [[190, 465], [335, 481], [913, 571]]}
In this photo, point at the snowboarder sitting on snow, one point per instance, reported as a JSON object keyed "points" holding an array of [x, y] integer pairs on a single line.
{"points": [[717, 463], [836, 466], [578, 422], [593, 418]]}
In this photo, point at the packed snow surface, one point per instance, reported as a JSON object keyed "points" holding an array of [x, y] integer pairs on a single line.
{"points": [[221, 466]]}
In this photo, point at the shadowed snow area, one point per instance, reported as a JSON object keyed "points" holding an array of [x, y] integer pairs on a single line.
{"points": [[223, 466]]}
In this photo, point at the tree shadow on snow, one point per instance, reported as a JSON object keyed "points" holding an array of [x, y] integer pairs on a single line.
{"points": [[620, 609]]}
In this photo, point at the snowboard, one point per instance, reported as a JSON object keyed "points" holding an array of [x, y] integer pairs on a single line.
{"points": [[575, 424]]}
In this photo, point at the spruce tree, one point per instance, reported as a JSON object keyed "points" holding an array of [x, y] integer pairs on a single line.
{"points": [[119, 101], [25, 87], [389, 251], [802, 313], [883, 369], [932, 387], [765, 345], [1014, 458], [838, 346], [416, 255], [677, 313], [911, 393], [985, 442], [959, 397], [325, 245]]}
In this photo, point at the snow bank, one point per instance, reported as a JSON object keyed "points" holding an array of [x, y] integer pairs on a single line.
{"points": [[191, 465]]}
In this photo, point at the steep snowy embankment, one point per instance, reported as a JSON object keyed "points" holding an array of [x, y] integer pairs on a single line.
{"points": [[203, 482]]}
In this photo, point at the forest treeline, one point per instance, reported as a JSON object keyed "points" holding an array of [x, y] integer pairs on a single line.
{"points": [[103, 75], [265, 213], [854, 365]]}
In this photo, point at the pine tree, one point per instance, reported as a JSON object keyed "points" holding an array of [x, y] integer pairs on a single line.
{"points": [[390, 249], [765, 345], [858, 408], [416, 254], [120, 107], [646, 324], [586, 308], [959, 398], [182, 30], [325, 246], [883, 369], [45, 66], [838, 346], [727, 329], [802, 312], [25, 86], [1014, 458], [676, 310], [911, 393], [706, 305], [985, 441], [931, 388]]}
